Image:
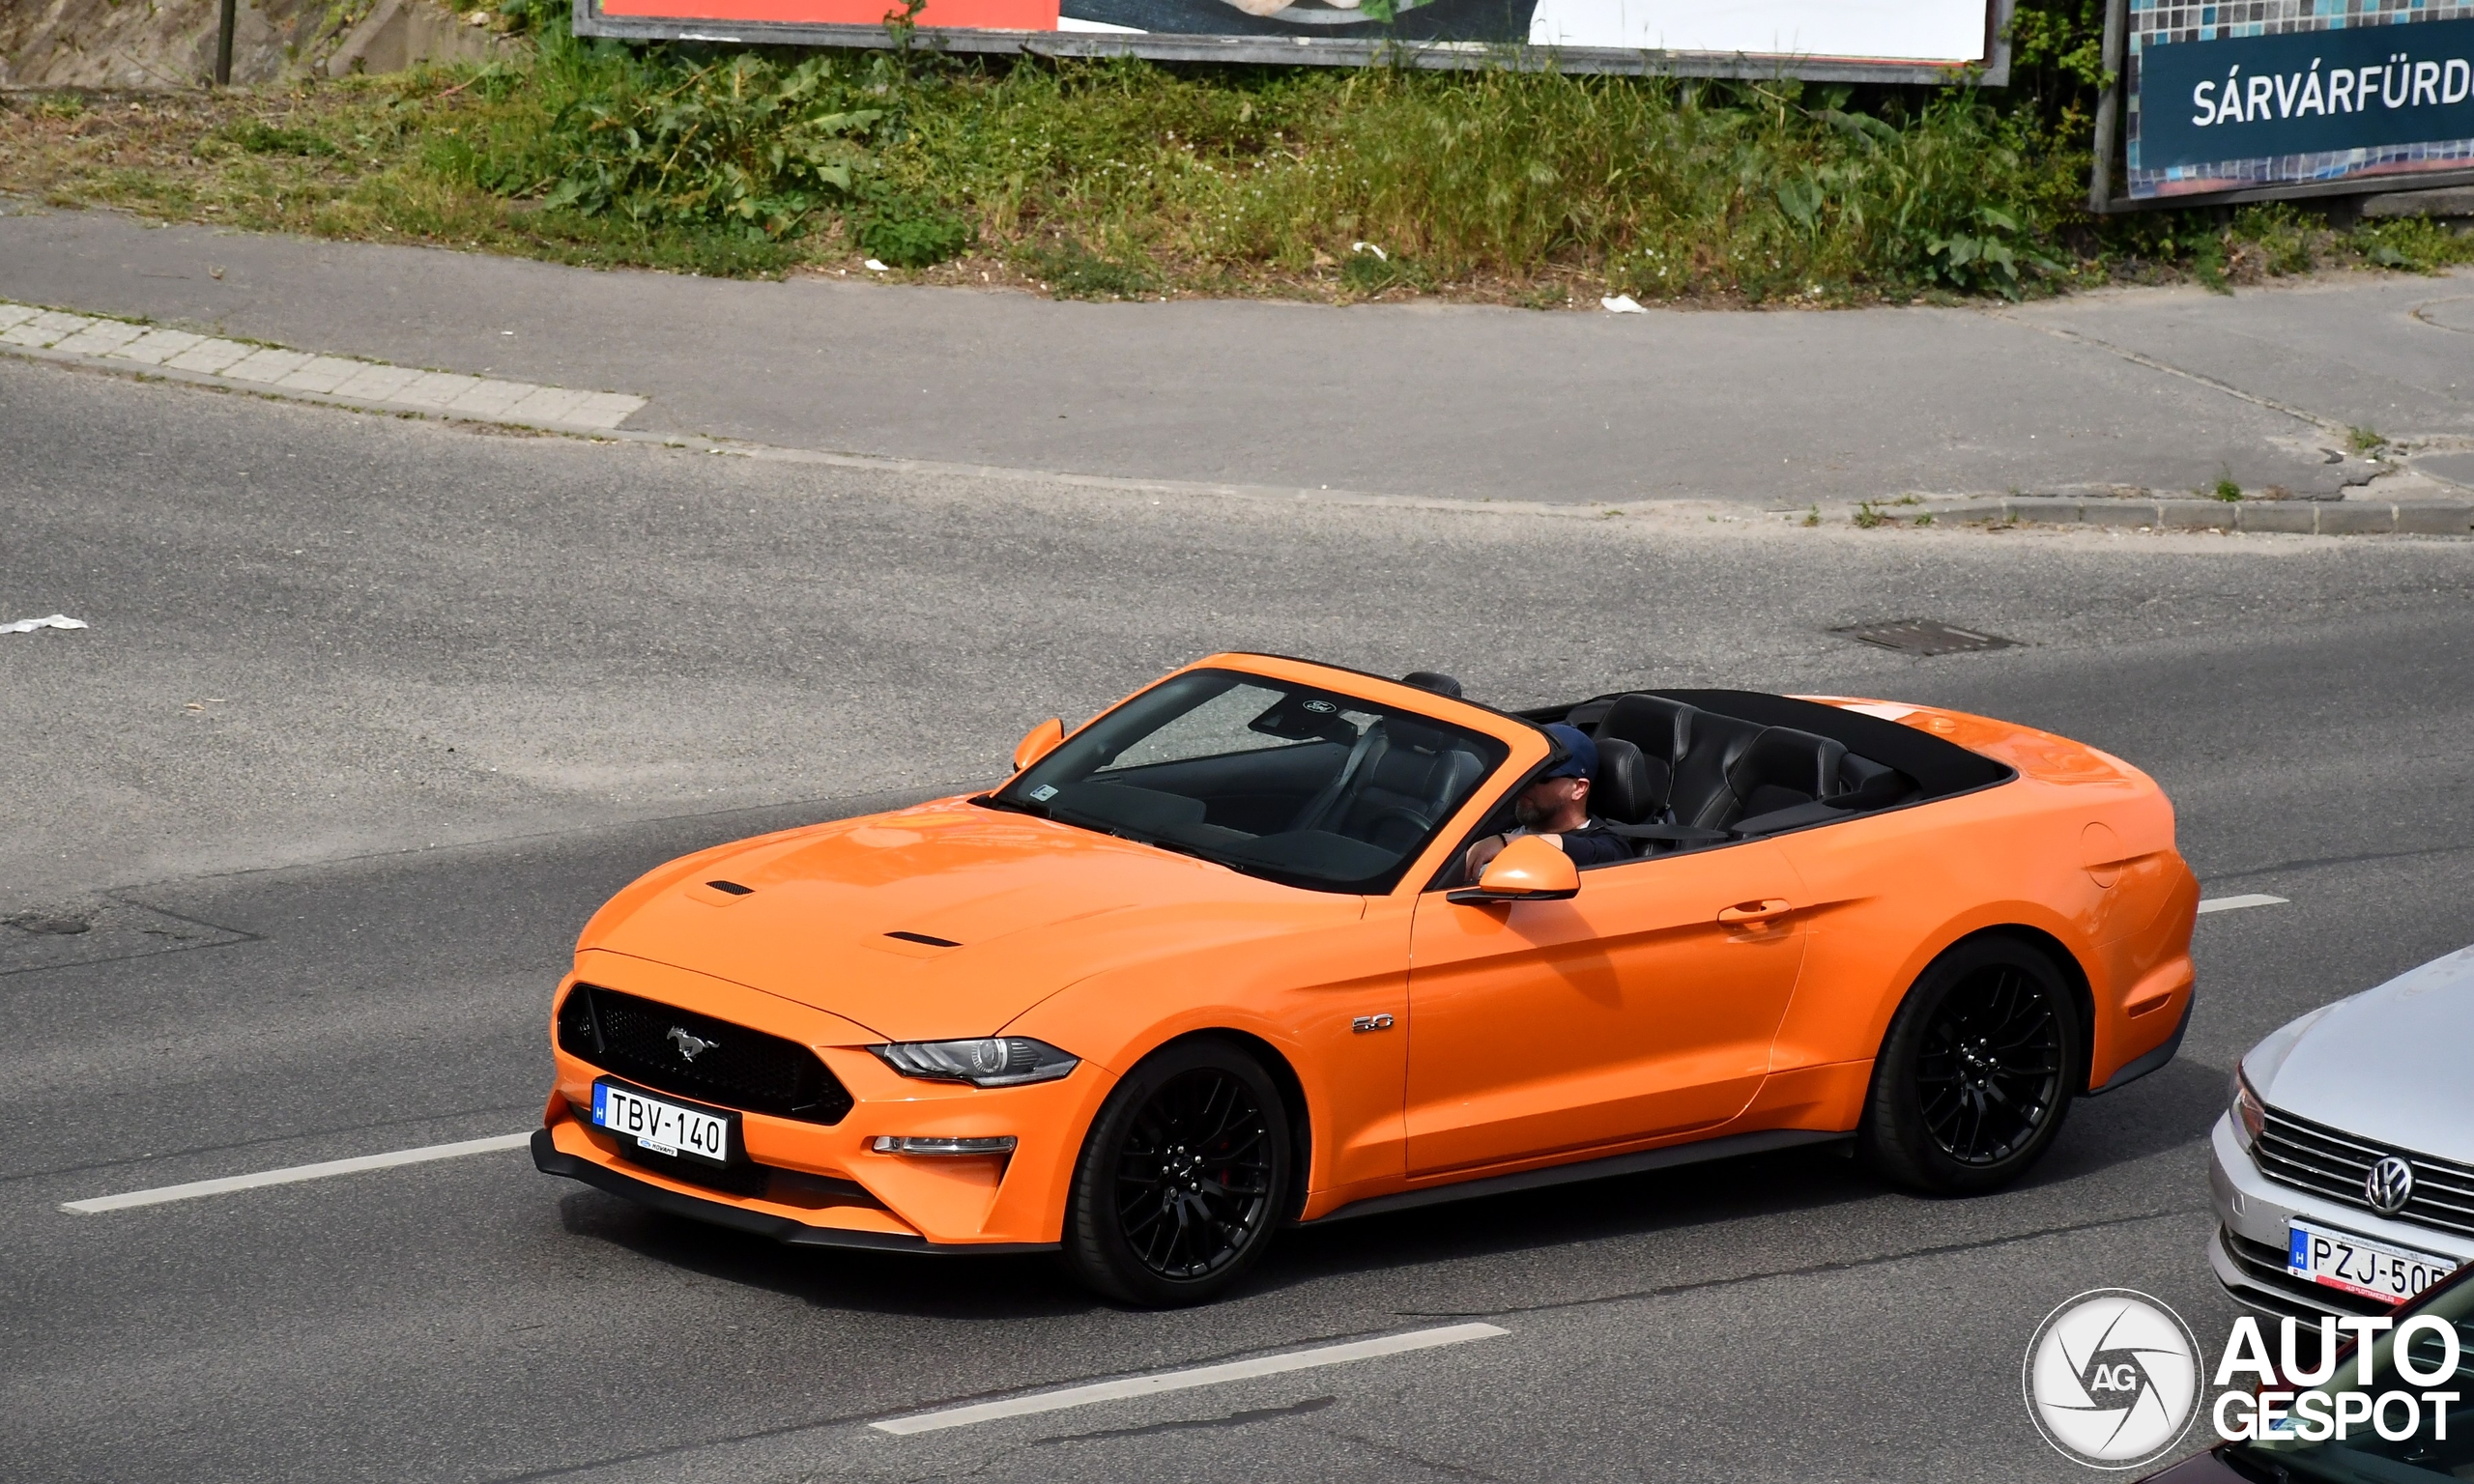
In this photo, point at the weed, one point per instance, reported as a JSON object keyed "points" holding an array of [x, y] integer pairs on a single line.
{"points": [[2364, 440], [1812, 516], [2415, 245], [1072, 270], [1369, 271], [907, 230], [260, 138], [2224, 489], [1866, 517], [1926, 519]]}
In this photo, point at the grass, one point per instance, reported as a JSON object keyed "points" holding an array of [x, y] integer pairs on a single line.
{"points": [[1121, 179]]}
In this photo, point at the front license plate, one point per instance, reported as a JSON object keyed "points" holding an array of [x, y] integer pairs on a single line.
{"points": [[665, 1128], [2343, 1260]]}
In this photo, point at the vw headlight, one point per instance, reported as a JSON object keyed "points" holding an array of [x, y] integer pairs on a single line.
{"points": [[999, 1061], [2250, 1114]]}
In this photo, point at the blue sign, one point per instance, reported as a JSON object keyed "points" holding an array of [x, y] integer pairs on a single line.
{"points": [[2305, 93]]}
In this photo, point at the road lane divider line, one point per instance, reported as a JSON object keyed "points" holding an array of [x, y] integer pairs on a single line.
{"points": [[2234, 903], [97, 1205], [1188, 1379]]}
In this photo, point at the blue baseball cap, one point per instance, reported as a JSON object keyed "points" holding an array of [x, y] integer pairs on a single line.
{"points": [[1580, 754]]}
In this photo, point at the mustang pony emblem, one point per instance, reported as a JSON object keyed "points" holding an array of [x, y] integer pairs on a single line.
{"points": [[690, 1045]]}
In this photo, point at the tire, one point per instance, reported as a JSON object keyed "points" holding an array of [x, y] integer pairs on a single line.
{"points": [[1977, 1074], [1182, 1177]]}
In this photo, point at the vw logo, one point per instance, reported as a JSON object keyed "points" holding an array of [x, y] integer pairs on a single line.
{"points": [[2112, 1379], [2389, 1185], [690, 1045]]}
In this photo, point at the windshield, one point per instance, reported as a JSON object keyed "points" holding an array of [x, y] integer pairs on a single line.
{"points": [[1303, 785], [2426, 1452]]}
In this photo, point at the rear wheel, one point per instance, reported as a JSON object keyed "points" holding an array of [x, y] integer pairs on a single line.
{"points": [[1185, 1173], [1975, 1074]]}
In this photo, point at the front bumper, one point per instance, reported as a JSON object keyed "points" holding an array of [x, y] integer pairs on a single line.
{"points": [[2254, 1212], [666, 1197], [827, 1180]]}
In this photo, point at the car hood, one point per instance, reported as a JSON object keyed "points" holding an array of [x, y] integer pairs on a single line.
{"points": [[2387, 1063], [1012, 908]]}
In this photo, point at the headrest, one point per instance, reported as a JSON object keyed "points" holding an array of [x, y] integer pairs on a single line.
{"points": [[1433, 680], [1783, 758], [1624, 790], [1660, 728], [1418, 735]]}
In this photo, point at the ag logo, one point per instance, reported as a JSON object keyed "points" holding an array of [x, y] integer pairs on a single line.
{"points": [[2112, 1379]]}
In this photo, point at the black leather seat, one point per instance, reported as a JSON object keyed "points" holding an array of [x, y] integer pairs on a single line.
{"points": [[1702, 770], [1779, 769], [1412, 778], [1659, 731], [1623, 790]]}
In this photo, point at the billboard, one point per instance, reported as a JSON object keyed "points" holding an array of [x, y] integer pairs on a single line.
{"points": [[1876, 41], [2297, 97]]}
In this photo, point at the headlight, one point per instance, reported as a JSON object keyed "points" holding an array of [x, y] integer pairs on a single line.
{"points": [[1000, 1061], [2250, 1115]]}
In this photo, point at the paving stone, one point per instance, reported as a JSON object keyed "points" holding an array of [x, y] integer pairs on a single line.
{"points": [[268, 366], [492, 398], [209, 355], [2351, 518], [2434, 517], [435, 389], [158, 346], [100, 338], [54, 326], [605, 410], [2294, 517], [2197, 514], [322, 373], [15, 314], [377, 383], [548, 405]]}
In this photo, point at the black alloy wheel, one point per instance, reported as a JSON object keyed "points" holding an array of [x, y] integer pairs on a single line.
{"points": [[1990, 1068], [1183, 1176], [1977, 1071]]}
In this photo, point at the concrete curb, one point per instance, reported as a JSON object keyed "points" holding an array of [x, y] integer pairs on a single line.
{"points": [[2289, 517]]}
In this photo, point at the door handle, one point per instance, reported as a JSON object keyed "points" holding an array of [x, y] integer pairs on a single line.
{"points": [[1755, 911]]}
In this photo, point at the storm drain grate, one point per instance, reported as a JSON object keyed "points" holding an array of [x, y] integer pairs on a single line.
{"points": [[1923, 636]]}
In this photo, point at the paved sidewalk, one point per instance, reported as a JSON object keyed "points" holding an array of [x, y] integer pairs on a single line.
{"points": [[2163, 390], [238, 365]]}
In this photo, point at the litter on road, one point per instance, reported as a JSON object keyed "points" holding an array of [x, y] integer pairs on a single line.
{"points": [[1622, 303], [55, 621]]}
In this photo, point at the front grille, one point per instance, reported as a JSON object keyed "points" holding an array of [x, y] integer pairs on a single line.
{"points": [[740, 1069], [2315, 1156], [2266, 1265]]}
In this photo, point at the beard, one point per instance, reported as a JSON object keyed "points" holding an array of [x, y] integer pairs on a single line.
{"points": [[1530, 815]]}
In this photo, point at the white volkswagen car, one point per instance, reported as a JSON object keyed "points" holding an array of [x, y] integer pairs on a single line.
{"points": [[2343, 1173]]}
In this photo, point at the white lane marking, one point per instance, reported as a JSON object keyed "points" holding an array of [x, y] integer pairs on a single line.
{"points": [[2230, 903], [94, 1205], [1181, 1381]]}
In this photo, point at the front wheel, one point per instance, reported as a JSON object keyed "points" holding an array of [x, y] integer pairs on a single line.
{"points": [[1976, 1073], [1184, 1175]]}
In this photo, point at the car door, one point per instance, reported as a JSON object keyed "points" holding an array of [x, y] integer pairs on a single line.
{"points": [[1645, 1004]]}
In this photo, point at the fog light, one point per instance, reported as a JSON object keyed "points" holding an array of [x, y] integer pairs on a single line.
{"points": [[938, 1143]]}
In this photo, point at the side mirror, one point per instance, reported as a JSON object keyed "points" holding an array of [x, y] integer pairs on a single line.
{"points": [[1037, 743], [1528, 869]]}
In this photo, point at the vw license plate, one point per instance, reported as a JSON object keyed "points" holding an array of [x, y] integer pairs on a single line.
{"points": [[2343, 1260], [665, 1128]]}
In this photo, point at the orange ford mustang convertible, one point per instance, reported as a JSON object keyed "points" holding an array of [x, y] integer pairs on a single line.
{"points": [[1208, 965]]}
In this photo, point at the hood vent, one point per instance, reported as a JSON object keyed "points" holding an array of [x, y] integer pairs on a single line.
{"points": [[731, 886], [917, 937]]}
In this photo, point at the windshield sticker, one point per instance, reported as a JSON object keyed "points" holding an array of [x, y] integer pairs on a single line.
{"points": [[1043, 793]]}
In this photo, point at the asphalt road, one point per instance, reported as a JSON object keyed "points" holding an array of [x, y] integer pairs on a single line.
{"points": [[320, 933]]}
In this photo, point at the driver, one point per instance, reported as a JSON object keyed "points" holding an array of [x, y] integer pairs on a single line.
{"points": [[1555, 808]]}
